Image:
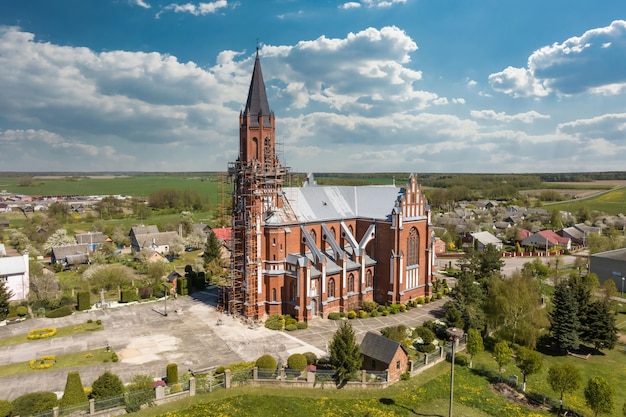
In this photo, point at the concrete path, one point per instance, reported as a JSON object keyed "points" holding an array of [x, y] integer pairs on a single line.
{"points": [[193, 335]]}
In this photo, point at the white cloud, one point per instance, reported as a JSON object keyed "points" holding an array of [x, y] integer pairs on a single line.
{"points": [[591, 63], [608, 127], [527, 117], [199, 9], [141, 3], [350, 5]]}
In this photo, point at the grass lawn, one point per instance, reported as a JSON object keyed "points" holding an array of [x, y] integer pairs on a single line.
{"points": [[61, 332], [90, 357]]}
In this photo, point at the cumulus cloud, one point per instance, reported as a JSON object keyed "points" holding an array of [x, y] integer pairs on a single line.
{"points": [[527, 117], [608, 127], [199, 9], [592, 62], [350, 5], [141, 3]]}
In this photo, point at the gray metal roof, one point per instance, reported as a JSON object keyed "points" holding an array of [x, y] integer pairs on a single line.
{"points": [[257, 103], [324, 203], [12, 265]]}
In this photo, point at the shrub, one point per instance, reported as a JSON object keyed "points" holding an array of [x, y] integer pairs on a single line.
{"points": [[99, 322], [172, 373], [266, 363], [297, 362], [381, 309], [374, 313], [342, 314], [45, 362], [420, 300], [21, 311], [291, 327], [34, 403], [5, 408], [220, 370], [362, 314], [275, 322], [83, 301], [89, 321], [461, 359], [62, 311], [405, 376], [426, 300], [302, 325], [290, 320], [114, 357], [176, 388], [351, 314], [402, 308], [128, 295], [385, 313], [311, 358], [334, 316], [145, 292], [369, 306], [74, 393], [41, 333], [439, 295], [107, 385]]}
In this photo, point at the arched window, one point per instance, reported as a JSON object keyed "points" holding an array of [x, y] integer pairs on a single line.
{"points": [[331, 288], [333, 233], [412, 248], [313, 236], [273, 294], [293, 291], [368, 279], [350, 283]]}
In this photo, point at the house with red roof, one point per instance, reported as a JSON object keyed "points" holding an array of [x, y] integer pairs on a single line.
{"points": [[547, 239]]}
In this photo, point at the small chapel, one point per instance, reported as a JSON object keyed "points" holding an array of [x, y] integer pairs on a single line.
{"points": [[311, 250]]}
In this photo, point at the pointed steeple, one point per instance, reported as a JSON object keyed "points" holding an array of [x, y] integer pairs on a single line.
{"points": [[257, 104]]}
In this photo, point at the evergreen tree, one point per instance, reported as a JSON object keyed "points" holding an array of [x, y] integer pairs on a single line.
{"points": [[345, 355], [5, 296], [564, 318], [529, 362], [107, 385], [212, 249], [600, 327], [599, 396], [74, 393]]}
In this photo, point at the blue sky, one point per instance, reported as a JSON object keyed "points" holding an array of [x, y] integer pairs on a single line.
{"points": [[361, 86]]}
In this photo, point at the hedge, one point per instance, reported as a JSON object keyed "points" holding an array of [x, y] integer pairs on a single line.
{"points": [[74, 393], [297, 362], [60, 312], [83, 301], [172, 373], [34, 403], [5, 408], [129, 295]]}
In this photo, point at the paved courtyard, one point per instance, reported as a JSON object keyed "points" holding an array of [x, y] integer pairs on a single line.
{"points": [[193, 335]]}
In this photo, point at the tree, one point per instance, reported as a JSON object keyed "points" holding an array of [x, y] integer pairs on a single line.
{"points": [[107, 385], [34, 403], [5, 296], [564, 378], [196, 239], [59, 211], [502, 354], [397, 333], [564, 318], [140, 391], [513, 306], [58, 238], [177, 246], [600, 327], [529, 362], [212, 248], [74, 392], [599, 396], [345, 355], [474, 344], [108, 277]]}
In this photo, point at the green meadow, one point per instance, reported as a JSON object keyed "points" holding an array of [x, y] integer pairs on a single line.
{"points": [[611, 202]]}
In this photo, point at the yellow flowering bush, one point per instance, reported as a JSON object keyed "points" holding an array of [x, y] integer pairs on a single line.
{"points": [[41, 333], [45, 362]]}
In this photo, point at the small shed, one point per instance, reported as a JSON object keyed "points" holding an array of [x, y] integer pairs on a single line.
{"points": [[380, 354]]}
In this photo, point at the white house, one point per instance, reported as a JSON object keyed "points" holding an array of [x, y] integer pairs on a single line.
{"points": [[14, 273]]}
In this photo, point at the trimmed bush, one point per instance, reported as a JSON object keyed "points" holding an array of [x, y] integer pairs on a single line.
{"points": [[351, 314], [220, 370], [176, 388], [41, 333], [129, 295], [172, 373], [302, 325], [426, 300], [63, 311], [374, 313], [5, 408], [291, 327], [334, 316], [182, 286], [405, 376], [99, 322], [265, 362], [83, 301], [362, 314], [297, 362], [74, 393], [34, 403], [420, 300], [290, 320], [311, 358], [107, 385], [21, 311], [369, 306], [275, 322]]}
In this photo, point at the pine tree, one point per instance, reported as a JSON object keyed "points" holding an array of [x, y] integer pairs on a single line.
{"points": [[600, 327], [345, 355], [74, 393], [107, 385], [212, 249], [564, 318], [5, 296]]}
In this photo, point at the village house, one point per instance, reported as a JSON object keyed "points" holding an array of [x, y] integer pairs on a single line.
{"points": [[382, 354], [15, 273]]}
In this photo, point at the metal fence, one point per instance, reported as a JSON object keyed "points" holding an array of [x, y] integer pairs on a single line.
{"points": [[210, 383]]}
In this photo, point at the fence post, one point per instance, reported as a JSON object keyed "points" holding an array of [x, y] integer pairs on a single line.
{"points": [[92, 406], [227, 378], [363, 376], [55, 412], [159, 392], [425, 358], [255, 373], [192, 386]]}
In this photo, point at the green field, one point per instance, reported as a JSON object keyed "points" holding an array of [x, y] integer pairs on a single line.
{"points": [[611, 202]]}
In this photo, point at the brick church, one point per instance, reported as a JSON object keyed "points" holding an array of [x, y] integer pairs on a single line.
{"points": [[311, 250]]}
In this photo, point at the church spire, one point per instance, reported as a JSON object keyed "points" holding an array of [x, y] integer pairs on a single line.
{"points": [[257, 104]]}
